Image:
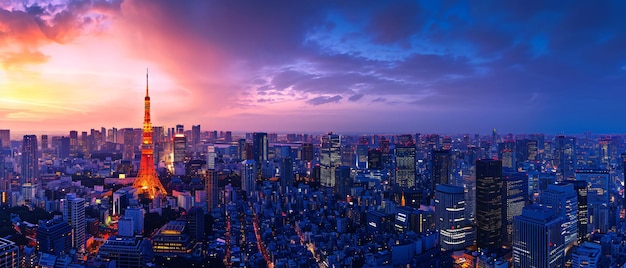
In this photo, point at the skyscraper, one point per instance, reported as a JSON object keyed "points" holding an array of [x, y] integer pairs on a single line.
{"points": [[454, 230], [537, 239], [211, 188], [259, 149], [405, 166], [525, 150], [583, 211], [5, 138], [195, 135], [248, 175], [506, 153], [565, 156], [516, 195], [44, 142], [73, 141], [489, 204], [180, 148], [562, 197], [361, 156], [440, 168], [64, 148], [330, 158], [74, 215], [598, 198], [286, 172], [30, 160], [147, 180]]}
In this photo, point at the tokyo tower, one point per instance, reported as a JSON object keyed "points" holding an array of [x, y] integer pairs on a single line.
{"points": [[147, 180]]}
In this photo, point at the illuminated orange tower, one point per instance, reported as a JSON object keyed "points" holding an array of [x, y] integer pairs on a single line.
{"points": [[147, 180]]}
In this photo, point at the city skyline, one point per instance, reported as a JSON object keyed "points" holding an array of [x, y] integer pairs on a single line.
{"points": [[398, 67]]}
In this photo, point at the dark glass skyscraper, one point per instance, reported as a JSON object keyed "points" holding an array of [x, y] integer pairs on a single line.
{"points": [[30, 161], [489, 204], [259, 149], [441, 169]]}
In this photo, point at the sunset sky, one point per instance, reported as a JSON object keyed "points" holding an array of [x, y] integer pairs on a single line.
{"points": [[295, 66]]}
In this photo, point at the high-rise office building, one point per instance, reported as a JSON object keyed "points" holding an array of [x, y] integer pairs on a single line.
{"points": [[211, 188], [180, 129], [63, 151], [259, 149], [195, 135], [374, 159], [526, 150], [361, 156], [30, 159], [440, 168], [74, 214], [454, 230], [343, 181], [73, 141], [128, 139], [565, 156], [180, 148], [54, 236], [286, 172], [583, 211], [347, 156], [489, 204], [248, 175], [598, 198], [506, 153], [330, 158], [537, 239], [405, 166], [5, 138], [44, 142], [563, 198], [598, 184], [516, 196], [307, 152], [228, 136]]}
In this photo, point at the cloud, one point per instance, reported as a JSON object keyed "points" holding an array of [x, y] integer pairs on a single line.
{"points": [[25, 28], [324, 99], [356, 97]]}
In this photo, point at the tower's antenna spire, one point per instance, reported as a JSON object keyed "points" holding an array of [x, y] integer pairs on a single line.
{"points": [[146, 81]]}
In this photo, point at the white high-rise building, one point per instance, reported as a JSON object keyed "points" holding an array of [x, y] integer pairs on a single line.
{"points": [[248, 176], [330, 158], [74, 215], [455, 232]]}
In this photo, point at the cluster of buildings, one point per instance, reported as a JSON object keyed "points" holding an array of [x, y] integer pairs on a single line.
{"points": [[171, 197]]}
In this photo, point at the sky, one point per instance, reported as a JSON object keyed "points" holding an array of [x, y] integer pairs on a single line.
{"points": [[520, 66]]}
